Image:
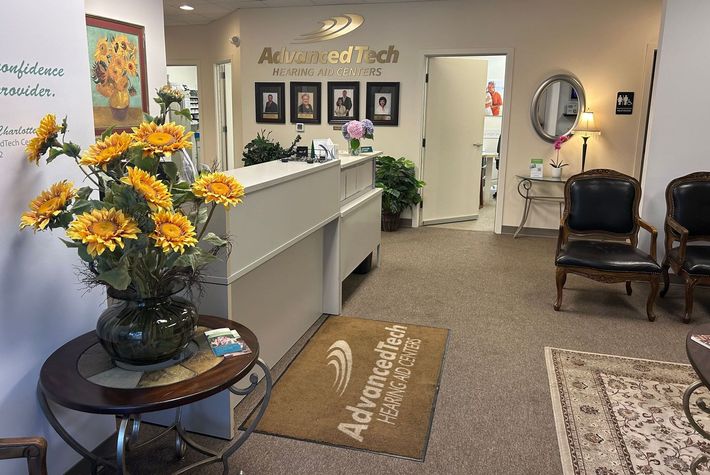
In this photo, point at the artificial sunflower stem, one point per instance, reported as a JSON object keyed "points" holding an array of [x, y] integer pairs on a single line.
{"points": [[209, 218]]}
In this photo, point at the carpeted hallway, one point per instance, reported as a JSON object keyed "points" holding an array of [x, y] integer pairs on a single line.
{"points": [[493, 414]]}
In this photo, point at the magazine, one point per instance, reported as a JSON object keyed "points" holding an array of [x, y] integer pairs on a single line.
{"points": [[702, 339], [226, 342]]}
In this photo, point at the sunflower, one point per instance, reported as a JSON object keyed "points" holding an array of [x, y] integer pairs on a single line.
{"points": [[220, 188], [132, 68], [47, 205], [154, 191], [173, 231], [102, 229], [116, 68], [164, 139], [105, 151], [45, 135], [102, 50]]}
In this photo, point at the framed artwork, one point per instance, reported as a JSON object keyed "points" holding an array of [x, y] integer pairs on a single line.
{"points": [[270, 101], [119, 89], [305, 102], [383, 103], [343, 102]]}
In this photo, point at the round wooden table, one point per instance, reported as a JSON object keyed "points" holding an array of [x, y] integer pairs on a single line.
{"points": [[81, 376], [699, 357]]}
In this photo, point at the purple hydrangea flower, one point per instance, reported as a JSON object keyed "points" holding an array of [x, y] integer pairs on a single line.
{"points": [[344, 130], [355, 129]]}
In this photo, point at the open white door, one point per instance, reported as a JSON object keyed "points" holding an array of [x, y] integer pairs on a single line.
{"points": [[453, 138]]}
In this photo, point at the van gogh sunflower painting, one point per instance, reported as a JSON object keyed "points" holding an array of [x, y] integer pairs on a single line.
{"points": [[118, 73], [140, 230]]}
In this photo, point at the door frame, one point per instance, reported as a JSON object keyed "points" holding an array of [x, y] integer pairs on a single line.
{"points": [[509, 54]]}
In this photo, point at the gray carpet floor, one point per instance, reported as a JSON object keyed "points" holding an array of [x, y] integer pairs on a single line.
{"points": [[493, 414]]}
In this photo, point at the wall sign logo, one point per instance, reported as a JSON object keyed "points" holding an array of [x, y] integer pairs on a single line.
{"points": [[332, 28], [340, 356]]}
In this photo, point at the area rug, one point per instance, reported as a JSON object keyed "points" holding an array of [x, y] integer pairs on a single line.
{"points": [[617, 415], [361, 384]]}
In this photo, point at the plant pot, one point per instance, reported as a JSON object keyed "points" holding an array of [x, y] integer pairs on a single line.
{"points": [[144, 331], [354, 147], [556, 172], [390, 222]]}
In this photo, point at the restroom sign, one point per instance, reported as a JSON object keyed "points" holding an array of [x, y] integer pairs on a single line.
{"points": [[624, 103]]}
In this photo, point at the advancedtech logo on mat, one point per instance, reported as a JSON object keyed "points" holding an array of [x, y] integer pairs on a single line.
{"points": [[363, 384]]}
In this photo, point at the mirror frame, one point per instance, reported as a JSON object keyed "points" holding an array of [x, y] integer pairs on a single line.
{"points": [[536, 97]]}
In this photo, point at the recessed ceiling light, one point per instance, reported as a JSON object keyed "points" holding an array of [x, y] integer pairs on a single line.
{"points": [[187, 8]]}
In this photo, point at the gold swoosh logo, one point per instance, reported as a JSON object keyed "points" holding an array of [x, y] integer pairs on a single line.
{"points": [[332, 28]]}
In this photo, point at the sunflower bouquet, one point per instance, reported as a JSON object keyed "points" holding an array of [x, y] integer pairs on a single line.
{"points": [[136, 225]]}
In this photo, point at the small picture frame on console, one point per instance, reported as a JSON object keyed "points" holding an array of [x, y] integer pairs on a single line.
{"points": [[305, 102], [383, 103], [270, 102], [343, 102]]}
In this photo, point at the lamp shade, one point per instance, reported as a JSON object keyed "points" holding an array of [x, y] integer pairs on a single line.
{"points": [[586, 125]]}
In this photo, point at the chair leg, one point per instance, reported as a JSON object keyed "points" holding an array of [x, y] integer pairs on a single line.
{"points": [[689, 288], [666, 278], [560, 278], [654, 283], [628, 287]]}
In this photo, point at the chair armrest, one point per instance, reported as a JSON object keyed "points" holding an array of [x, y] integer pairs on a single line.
{"points": [[654, 236], [34, 449], [681, 230], [561, 239]]}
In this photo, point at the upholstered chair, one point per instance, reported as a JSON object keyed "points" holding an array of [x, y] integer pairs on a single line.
{"points": [[598, 236], [34, 449], [688, 220]]}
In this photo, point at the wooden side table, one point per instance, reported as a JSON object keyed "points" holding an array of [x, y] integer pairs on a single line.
{"points": [[81, 376]]}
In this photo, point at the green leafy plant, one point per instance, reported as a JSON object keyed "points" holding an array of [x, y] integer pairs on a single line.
{"points": [[264, 149], [400, 186]]}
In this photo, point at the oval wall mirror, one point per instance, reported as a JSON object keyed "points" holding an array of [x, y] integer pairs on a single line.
{"points": [[557, 106]]}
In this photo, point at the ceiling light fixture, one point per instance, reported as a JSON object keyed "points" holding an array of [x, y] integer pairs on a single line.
{"points": [[187, 8]]}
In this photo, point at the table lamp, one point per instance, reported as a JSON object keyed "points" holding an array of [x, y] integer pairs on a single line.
{"points": [[585, 129]]}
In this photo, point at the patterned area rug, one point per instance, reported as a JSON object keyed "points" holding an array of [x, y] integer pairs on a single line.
{"points": [[617, 415]]}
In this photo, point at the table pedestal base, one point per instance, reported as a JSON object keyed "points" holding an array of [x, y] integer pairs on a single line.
{"points": [[703, 407], [129, 428]]}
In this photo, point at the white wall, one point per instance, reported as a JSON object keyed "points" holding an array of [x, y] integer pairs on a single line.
{"points": [[604, 46], [183, 75], [677, 143], [43, 305]]}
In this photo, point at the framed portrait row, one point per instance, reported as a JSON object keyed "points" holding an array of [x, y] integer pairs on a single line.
{"points": [[342, 101]]}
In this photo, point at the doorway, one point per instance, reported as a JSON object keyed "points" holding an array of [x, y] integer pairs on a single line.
{"points": [[225, 132], [463, 131], [184, 78]]}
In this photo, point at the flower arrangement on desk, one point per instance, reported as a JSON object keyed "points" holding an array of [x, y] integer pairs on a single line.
{"points": [[556, 163], [139, 230], [354, 131]]}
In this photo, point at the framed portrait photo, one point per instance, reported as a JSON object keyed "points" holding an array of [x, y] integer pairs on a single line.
{"points": [[383, 103], [305, 102], [119, 83], [270, 102], [343, 102]]}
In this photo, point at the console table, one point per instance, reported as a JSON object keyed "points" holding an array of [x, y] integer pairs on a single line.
{"points": [[699, 358], [525, 186], [81, 376]]}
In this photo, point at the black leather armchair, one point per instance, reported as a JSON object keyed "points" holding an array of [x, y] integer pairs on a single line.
{"points": [[687, 220], [601, 211]]}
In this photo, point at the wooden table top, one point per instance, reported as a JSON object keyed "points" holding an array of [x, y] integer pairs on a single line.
{"points": [[698, 355], [63, 383]]}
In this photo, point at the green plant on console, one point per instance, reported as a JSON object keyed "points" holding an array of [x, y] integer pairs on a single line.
{"points": [[400, 188], [265, 149]]}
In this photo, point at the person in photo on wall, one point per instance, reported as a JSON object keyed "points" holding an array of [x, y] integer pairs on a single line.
{"points": [[496, 98], [347, 102], [305, 106], [271, 107], [382, 107], [340, 110], [489, 103]]}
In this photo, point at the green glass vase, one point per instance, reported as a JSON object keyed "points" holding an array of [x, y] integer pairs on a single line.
{"points": [[146, 331]]}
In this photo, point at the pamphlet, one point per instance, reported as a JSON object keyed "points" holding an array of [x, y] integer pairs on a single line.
{"points": [[226, 342], [536, 167], [702, 339]]}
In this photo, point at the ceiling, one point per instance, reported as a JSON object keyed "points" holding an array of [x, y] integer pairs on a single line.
{"points": [[207, 11]]}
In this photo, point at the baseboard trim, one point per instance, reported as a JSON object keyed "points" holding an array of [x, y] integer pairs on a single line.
{"points": [[533, 232]]}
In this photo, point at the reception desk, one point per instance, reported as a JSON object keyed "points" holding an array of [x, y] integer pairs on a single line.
{"points": [[300, 231]]}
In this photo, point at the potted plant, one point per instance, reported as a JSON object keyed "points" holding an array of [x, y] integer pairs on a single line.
{"points": [[556, 163], [140, 231], [356, 130], [264, 149], [400, 188]]}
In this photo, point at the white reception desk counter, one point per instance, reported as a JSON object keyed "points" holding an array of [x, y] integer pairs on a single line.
{"points": [[301, 230]]}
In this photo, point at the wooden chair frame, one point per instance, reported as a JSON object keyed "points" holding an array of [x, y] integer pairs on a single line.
{"points": [[34, 449], [632, 237], [677, 232]]}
